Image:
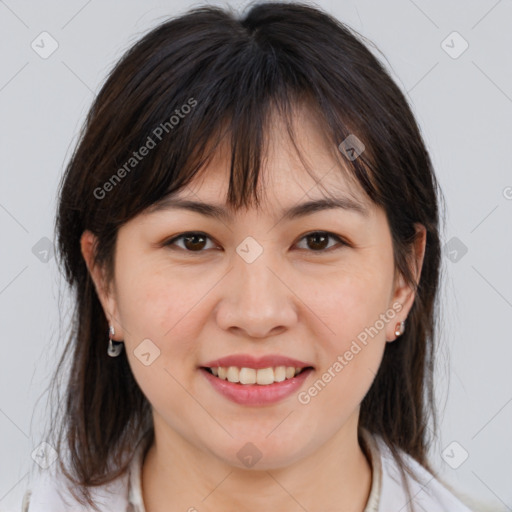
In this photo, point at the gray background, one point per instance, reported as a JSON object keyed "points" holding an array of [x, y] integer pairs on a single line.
{"points": [[464, 106]]}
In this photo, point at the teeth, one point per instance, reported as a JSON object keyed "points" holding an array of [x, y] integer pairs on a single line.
{"points": [[280, 373], [233, 374], [262, 376], [265, 376], [247, 375]]}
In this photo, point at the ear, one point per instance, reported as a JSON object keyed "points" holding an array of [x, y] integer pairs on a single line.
{"points": [[403, 292], [88, 244]]}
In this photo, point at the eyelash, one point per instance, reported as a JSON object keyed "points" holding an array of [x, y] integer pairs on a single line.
{"points": [[322, 251]]}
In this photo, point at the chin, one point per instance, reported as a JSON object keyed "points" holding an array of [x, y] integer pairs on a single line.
{"points": [[259, 452]]}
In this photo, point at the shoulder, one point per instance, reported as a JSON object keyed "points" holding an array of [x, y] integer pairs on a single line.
{"points": [[48, 492], [427, 492]]}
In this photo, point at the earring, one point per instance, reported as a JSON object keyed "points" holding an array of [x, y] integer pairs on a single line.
{"points": [[399, 328], [114, 347]]}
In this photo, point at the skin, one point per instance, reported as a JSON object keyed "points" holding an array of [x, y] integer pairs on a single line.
{"points": [[293, 300]]}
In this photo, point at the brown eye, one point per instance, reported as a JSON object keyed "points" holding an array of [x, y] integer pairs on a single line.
{"points": [[192, 242], [318, 241]]}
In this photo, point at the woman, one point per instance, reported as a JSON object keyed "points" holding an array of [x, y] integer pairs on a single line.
{"points": [[250, 226]]}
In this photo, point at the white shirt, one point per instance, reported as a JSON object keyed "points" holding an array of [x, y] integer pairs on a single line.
{"points": [[387, 494]]}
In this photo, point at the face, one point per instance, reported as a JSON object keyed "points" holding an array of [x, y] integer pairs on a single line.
{"points": [[319, 289]]}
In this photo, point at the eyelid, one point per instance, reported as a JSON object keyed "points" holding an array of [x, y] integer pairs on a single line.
{"points": [[342, 242]]}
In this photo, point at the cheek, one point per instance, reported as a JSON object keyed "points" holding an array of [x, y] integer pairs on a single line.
{"points": [[352, 305], [349, 301], [156, 302], [152, 306]]}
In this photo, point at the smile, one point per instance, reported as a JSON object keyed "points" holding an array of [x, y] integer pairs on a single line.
{"points": [[250, 392], [261, 376]]}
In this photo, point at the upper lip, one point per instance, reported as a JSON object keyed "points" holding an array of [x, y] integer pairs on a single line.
{"points": [[248, 361]]}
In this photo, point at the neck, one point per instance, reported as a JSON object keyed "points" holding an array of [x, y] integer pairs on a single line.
{"points": [[179, 476]]}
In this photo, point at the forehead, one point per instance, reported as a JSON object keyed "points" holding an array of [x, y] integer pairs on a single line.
{"points": [[311, 168]]}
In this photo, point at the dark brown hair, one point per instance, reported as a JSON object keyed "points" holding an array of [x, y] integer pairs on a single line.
{"points": [[233, 72]]}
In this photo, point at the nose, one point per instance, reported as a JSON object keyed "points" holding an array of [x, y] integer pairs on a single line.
{"points": [[256, 301]]}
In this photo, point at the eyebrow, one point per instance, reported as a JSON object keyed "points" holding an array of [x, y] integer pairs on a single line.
{"points": [[296, 211]]}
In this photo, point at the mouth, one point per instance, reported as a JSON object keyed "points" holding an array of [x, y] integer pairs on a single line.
{"points": [[256, 382], [255, 376]]}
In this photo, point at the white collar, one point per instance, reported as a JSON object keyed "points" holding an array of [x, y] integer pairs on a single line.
{"points": [[387, 492]]}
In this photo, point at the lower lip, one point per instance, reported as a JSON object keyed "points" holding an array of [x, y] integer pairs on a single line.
{"points": [[257, 394]]}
